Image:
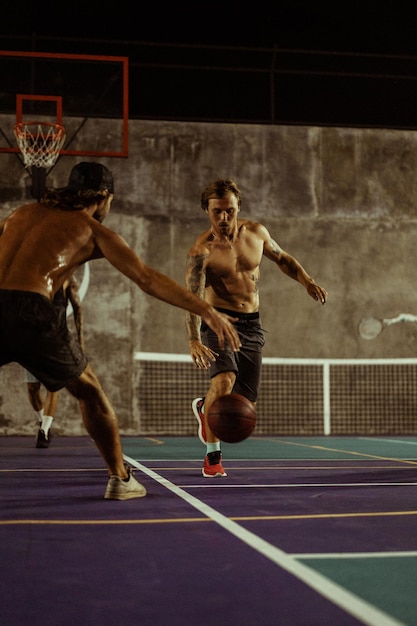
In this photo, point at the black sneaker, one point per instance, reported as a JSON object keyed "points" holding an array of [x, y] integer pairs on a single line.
{"points": [[43, 439]]}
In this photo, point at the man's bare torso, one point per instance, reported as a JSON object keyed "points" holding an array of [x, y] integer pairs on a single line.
{"points": [[41, 247], [232, 269]]}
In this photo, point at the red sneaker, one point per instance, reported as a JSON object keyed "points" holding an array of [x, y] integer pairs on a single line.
{"points": [[197, 405], [213, 465]]}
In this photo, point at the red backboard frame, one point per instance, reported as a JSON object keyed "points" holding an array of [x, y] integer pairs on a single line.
{"points": [[20, 98]]}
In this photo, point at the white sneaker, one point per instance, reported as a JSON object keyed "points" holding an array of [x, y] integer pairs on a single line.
{"points": [[120, 489], [197, 405]]}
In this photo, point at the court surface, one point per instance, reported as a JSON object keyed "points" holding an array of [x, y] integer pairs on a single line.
{"points": [[309, 531]]}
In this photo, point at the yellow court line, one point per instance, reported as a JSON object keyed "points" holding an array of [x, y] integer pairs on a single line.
{"points": [[362, 454], [245, 518], [323, 516], [157, 441]]}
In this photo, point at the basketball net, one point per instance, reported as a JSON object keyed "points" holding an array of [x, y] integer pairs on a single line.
{"points": [[39, 142]]}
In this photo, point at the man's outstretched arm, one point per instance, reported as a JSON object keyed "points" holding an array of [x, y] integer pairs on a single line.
{"points": [[290, 266], [151, 281]]}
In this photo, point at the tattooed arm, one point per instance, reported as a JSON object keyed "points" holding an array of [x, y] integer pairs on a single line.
{"points": [[293, 268], [195, 279]]}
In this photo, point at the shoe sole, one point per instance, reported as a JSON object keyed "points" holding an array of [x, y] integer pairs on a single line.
{"points": [[125, 496], [197, 416], [128, 495], [217, 475]]}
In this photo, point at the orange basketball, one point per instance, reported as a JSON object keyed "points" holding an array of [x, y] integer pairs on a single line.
{"points": [[232, 418]]}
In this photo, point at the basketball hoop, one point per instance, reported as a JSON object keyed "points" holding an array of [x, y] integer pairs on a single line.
{"points": [[39, 142]]}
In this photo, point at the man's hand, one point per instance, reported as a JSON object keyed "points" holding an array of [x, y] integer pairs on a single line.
{"points": [[317, 292], [222, 325], [202, 356]]}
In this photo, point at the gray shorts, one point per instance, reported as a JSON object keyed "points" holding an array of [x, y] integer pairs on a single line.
{"points": [[34, 333], [246, 363]]}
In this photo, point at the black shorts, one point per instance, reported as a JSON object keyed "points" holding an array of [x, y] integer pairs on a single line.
{"points": [[34, 333], [246, 363]]}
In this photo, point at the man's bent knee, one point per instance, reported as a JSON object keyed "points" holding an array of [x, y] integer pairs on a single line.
{"points": [[223, 383], [86, 383]]}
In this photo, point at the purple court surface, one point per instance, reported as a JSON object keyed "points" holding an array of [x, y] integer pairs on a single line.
{"points": [[302, 531]]}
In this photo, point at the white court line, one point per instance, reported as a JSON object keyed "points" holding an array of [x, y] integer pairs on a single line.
{"points": [[362, 610], [297, 485], [357, 555]]}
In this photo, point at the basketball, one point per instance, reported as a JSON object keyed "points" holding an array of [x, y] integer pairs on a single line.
{"points": [[232, 418]]}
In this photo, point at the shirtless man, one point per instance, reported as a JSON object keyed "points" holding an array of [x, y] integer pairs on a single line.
{"points": [[41, 246], [223, 268]]}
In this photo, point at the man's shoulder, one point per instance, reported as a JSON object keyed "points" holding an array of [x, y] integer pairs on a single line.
{"points": [[28, 206], [252, 227], [23, 213], [200, 243]]}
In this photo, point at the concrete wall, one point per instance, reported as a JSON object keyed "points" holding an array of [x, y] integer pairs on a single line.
{"points": [[343, 201]]}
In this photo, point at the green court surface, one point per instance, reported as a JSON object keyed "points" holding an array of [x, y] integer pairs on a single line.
{"points": [[337, 448], [386, 582]]}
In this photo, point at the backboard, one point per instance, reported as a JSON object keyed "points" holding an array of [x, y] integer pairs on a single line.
{"points": [[87, 94]]}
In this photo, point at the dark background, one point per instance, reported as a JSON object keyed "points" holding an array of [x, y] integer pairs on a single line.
{"points": [[291, 62]]}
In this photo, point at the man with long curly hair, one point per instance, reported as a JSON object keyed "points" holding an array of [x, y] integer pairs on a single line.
{"points": [[41, 245]]}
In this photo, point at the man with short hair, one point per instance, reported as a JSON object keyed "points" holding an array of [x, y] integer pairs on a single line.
{"points": [[41, 245], [223, 269]]}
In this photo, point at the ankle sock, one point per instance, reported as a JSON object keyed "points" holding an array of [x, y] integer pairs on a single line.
{"points": [[213, 447], [46, 423]]}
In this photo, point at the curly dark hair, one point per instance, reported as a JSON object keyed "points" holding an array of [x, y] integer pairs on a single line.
{"points": [[69, 200], [218, 189]]}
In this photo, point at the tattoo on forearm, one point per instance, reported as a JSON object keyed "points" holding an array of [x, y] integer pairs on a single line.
{"points": [[195, 279]]}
